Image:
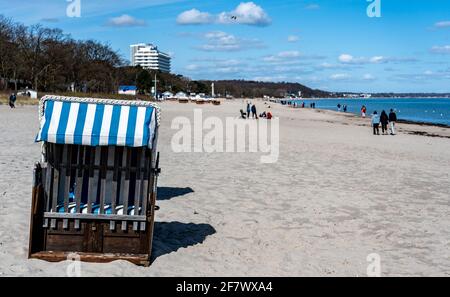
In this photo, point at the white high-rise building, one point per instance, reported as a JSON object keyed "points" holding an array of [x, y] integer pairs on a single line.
{"points": [[149, 57]]}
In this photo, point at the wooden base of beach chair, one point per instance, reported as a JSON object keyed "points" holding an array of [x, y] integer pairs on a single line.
{"points": [[183, 101], [92, 240], [141, 260], [216, 102], [56, 231]]}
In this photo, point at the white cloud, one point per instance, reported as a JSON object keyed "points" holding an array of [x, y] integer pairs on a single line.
{"points": [[345, 58], [293, 38], [377, 59], [126, 21], [287, 57], [423, 77], [290, 58], [441, 49], [327, 65], [216, 62], [246, 13], [368, 77], [219, 41], [340, 76], [229, 62], [289, 54], [192, 67], [382, 59], [215, 68], [227, 70], [443, 24], [349, 59], [194, 17]]}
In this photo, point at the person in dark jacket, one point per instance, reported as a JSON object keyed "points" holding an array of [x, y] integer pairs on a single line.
{"points": [[255, 115], [392, 120], [384, 119], [12, 100]]}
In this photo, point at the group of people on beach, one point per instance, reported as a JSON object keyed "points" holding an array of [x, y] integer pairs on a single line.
{"points": [[344, 107], [251, 109], [384, 120], [312, 105]]}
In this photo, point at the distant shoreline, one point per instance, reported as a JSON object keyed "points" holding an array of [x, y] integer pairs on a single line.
{"points": [[361, 98], [356, 114], [407, 122]]}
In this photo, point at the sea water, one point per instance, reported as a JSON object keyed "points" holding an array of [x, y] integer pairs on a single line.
{"points": [[426, 110]]}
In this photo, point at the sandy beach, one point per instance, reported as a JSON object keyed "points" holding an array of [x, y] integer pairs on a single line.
{"points": [[336, 195]]}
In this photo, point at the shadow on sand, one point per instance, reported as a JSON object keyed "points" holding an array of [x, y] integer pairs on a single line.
{"points": [[167, 193], [170, 237]]}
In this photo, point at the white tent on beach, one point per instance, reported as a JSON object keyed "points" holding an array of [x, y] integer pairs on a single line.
{"points": [[167, 95], [181, 95]]}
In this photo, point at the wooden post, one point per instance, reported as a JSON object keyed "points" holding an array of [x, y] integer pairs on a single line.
{"points": [[92, 192], [79, 182], [140, 161], [55, 187], [125, 181], [79, 178], [118, 152], [145, 187], [103, 170], [48, 181]]}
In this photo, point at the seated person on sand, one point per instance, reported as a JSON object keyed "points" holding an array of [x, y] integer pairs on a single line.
{"points": [[243, 115], [267, 115]]}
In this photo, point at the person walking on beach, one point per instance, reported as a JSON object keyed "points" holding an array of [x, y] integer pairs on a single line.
{"points": [[345, 108], [363, 111], [254, 114], [12, 100], [384, 119], [339, 107], [392, 120], [376, 123], [249, 106]]}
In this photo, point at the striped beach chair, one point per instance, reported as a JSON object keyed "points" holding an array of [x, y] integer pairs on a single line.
{"points": [[94, 191]]}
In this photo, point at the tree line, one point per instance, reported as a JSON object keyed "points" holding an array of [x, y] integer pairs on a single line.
{"points": [[48, 60], [258, 89]]}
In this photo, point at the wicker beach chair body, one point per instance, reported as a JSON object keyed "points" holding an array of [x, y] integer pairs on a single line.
{"points": [[94, 191]]}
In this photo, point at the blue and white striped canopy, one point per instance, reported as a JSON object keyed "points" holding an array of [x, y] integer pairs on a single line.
{"points": [[97, 124]]}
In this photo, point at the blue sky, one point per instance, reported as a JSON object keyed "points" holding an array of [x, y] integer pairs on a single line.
{"points": [[330, 44]]}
